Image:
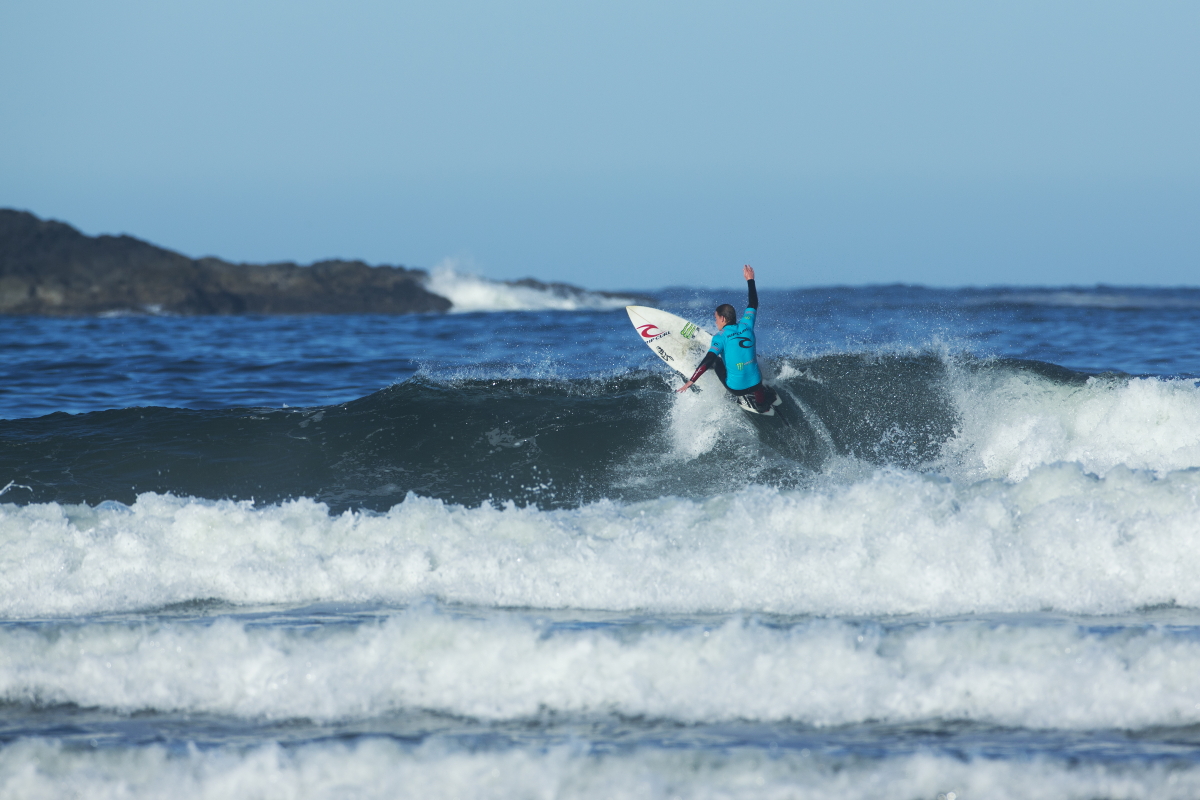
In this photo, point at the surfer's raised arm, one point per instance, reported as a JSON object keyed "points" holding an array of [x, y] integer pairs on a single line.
{"points": [[725, 315]]}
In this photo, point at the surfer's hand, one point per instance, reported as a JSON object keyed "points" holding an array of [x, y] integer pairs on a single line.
{"points": [[685, 387], [748, 272]]}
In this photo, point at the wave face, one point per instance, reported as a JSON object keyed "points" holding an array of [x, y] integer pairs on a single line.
{"points": [[561, 443], [899, 485]]}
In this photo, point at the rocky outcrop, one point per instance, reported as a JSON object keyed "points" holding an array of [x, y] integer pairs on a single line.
{"points": [[48, 267]]}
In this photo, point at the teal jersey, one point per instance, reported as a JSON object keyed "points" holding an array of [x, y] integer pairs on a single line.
{"points": [[735, 345]]}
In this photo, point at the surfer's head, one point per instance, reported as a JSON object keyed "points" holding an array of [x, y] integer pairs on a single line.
{"points": [[725, 315]]}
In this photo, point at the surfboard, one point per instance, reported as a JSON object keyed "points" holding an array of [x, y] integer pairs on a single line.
{"points": [[682, 345]]}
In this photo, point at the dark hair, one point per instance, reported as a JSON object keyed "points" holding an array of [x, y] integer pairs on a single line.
{"points": [[727, 313]]}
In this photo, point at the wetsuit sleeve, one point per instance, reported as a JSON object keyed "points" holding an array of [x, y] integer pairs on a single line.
{"points": [[710, 358], [753, 301]]}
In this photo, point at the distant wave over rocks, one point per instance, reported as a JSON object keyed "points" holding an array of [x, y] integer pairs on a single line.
{"points": [[50, 268]]}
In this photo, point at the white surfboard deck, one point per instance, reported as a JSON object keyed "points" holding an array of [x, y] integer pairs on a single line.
{"points": [[681, 345]]}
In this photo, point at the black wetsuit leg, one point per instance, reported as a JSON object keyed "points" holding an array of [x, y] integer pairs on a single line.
{"points": [[761, 395]]}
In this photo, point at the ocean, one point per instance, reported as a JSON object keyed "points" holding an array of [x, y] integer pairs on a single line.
{"points": [[492, 554]]}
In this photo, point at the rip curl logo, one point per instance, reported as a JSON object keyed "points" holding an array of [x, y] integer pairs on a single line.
{"points": [[650, 332]]}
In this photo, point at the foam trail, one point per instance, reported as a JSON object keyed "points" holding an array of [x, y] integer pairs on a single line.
{"points": [[819, 672], [383, 768], [475, 293]]}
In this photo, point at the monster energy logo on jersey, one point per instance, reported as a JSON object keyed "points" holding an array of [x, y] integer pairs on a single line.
{"points": [[688, 331]]}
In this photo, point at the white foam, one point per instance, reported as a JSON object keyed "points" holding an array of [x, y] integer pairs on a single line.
{"points": [[500, 667], [890, 543], [1013, 422], [470, 292], [701, 418], [380, 768]]}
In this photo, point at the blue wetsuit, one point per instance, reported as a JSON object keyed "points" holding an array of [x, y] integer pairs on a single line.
{"points": [[733, 355], [735, 345]]}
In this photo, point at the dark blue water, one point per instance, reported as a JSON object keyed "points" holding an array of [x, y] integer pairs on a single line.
{"points": [[89, 364]]}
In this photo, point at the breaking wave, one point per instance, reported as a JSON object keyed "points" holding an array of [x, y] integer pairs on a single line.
{"points": [[470, 292], [562, 443], [891, 543]]}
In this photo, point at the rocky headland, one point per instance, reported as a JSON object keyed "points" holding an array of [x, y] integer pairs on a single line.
{"points": [[50, 268]]}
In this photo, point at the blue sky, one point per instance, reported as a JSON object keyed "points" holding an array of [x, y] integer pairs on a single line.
{"points": [[622, 144]]}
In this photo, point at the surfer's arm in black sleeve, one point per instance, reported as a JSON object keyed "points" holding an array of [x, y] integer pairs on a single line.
{"points": [[748, 273], [710, 360]]}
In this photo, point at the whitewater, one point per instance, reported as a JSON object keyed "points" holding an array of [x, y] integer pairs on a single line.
{"points": [[492, 553]]}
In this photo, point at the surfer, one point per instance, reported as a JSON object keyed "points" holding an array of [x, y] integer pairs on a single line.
{"points": [[732, 353]]}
